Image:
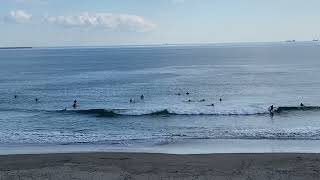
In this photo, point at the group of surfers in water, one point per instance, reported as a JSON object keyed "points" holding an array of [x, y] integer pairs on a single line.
{"points": [[75, 105], [178, 94]]}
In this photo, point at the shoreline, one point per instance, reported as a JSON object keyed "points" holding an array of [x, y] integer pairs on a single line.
{"points": [[186, 146], [146, 166]]}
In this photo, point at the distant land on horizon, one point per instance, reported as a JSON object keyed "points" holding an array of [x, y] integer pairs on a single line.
{"points": [[15, 47], [161, 44]]}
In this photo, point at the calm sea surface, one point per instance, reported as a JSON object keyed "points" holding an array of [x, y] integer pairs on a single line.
{"points": [[247, 77]]}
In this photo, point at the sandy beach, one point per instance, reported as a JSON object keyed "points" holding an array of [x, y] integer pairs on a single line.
{"points": [[160, 166]]}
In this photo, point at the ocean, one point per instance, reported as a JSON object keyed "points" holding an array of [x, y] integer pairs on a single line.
{"points": [[179, 84]]}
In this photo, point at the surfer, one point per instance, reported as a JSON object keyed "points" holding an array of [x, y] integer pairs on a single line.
{"points": [[15, 96], [202, 100], [220, 99], [187, 93], [65, 109], [131, 100], [271, 109], [212, 105], [142, 97], [37, 99], [189, 100], [301, 105], [74, 103]]}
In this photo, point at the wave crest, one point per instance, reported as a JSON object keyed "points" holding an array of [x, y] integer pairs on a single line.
{"points": [[164, 112], [168, 112]]}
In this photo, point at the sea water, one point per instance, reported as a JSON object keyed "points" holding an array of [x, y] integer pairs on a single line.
{"points": [[247, 77]]}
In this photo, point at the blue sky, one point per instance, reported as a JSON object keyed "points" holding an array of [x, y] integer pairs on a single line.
{"points": [[124, 22]]}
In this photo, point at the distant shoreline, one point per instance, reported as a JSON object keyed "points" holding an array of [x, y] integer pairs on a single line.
{"points": [[15, 47], [164, 44]]}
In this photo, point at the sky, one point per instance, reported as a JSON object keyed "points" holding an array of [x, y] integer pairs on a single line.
{"points": [[132, 22]]}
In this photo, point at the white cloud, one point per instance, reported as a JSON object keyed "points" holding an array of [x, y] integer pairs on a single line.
{"points": [[104, 20], [18, 16]]}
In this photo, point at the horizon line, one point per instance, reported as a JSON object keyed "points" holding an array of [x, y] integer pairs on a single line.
{"points": [[160, 44]]}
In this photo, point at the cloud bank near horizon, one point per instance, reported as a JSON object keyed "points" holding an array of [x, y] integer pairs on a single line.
{"points": [[17, 16], [108, 21], [104, 20]]}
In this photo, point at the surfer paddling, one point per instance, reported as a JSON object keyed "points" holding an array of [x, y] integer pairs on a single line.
{"points": [[131, 100]]}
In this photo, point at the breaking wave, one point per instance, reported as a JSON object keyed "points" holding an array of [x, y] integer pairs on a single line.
{"points": [[168, 112]]}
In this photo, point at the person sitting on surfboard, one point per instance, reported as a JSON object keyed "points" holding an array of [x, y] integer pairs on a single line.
{"points": [[74, 103], [301, 105], [142, 97]]}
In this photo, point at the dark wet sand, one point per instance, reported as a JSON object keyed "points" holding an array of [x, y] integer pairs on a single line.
{"points": [[160, 166]]}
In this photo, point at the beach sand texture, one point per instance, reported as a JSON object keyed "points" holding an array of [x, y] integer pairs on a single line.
{"points": [[126, 166]]}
